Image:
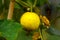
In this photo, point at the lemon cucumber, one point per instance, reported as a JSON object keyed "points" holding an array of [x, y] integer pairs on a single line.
{"points": [[30, 21]]}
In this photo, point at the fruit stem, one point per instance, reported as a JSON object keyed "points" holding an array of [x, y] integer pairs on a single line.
{"points": [[31, 7]]}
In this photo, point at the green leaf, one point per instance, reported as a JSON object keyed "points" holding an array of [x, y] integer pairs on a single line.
{"points": [[1, 21], [10, 29], [23, 36], [17, 6]]}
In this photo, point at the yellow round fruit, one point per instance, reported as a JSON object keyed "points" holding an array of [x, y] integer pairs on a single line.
{"points": [[30, 21]]}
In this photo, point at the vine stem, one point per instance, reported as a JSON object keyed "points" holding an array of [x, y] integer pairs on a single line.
{"points": [[11, 8], [35, 3], [40, 31]]}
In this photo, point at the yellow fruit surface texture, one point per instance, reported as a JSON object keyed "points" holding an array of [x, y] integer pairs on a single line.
{"points": [[30, 21]]}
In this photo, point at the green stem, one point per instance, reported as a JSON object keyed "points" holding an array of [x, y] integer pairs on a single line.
{"points": [[37, 10], [30, 3], [31, 8], [40, 34], [35, 3]]}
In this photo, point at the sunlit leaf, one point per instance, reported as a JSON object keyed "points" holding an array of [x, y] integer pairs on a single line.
{"points": [[10, 29]]}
